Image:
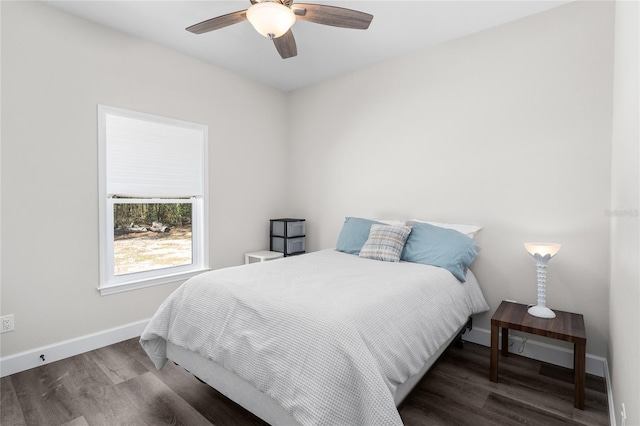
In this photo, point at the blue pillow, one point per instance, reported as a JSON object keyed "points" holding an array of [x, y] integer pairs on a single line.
{"points": [[445, 248], [355, 232]]}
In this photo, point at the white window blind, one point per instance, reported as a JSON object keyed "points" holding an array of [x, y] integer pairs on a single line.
{"points": [[151, 159], [147, 160]]}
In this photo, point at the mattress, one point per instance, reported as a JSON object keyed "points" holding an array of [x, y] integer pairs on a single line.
{"points": [[330, 337]]}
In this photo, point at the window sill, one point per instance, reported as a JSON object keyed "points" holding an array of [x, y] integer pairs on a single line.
{"points": [[135, 285]]}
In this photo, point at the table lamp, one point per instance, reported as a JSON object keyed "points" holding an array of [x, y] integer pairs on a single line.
{"points": [[542, 253]]}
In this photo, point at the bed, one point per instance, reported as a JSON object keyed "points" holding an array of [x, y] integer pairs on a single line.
{"points": [[322, 338]]}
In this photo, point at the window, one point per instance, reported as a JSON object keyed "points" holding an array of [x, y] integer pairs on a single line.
{"points": [[153, 199]]}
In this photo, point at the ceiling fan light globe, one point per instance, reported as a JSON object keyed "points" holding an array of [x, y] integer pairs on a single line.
{"points": [[271, 19]]}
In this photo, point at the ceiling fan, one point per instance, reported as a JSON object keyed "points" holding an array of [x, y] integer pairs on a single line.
{"points": [[274, 18]]}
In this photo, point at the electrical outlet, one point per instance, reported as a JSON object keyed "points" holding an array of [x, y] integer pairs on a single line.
{"points": [[623, 416], [7, 323]]}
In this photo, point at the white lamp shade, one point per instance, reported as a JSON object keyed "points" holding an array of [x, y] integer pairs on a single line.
{"points": [[271, 19], [542, 249]]}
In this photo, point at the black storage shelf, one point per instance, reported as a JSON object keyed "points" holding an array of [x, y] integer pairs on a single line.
{"points": [[287, 235]]}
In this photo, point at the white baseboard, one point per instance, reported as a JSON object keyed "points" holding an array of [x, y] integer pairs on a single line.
{"points": [[29, 359], [542, 352], [612, 406]]}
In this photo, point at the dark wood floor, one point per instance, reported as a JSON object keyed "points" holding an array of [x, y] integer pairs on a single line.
{"points": [[118, 385]]}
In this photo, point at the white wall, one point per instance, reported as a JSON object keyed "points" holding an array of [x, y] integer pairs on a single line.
{"points": [[624, 296], [509, 128], [55, 69]]}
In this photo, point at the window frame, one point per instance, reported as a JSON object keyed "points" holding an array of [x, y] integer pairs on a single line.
{"points": [[109, 282]]}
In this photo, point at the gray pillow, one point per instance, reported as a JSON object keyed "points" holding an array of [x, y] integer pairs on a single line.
{"points": [[385, 242]]}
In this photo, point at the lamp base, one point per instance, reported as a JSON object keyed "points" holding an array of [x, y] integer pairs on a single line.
{"points": [[541, 312]]}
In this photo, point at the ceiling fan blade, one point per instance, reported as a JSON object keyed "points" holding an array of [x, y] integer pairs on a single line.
{"points": [[218, 22], [286, 45], [332, 15]]}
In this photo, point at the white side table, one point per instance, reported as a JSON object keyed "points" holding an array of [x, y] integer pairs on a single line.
{"points": [[261, 256]]}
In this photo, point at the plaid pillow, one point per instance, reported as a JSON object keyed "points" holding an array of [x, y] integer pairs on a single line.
{"points": [[385, 242]]}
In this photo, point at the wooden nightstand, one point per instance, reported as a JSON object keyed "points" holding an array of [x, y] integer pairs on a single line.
{"points": [[565, 326], [261, 256]]}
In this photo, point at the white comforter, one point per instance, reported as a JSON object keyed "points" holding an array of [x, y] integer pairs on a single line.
{"points": [[328, 335]]}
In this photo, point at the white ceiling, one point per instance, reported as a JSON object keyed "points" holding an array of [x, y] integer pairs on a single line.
{"points": [[398, 28]]}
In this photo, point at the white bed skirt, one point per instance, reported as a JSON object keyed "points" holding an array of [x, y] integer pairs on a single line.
{"points": [[244, 394]]}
